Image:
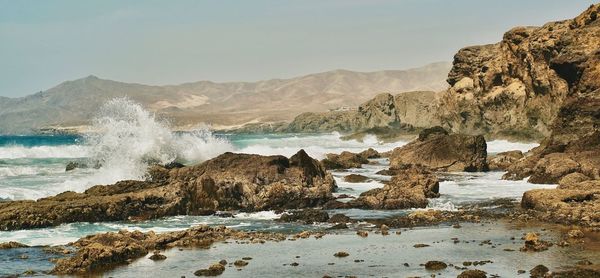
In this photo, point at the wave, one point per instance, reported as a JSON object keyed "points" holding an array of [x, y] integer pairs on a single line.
{"points": [[497, 146], [61, 151]]}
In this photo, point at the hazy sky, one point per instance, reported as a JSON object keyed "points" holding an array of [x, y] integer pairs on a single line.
{"points": [[43, 43]]}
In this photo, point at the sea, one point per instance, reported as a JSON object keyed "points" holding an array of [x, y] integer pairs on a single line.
{"points": [[125, 138]]}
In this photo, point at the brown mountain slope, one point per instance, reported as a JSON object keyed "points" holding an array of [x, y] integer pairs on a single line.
{"points": [[221, 104]]}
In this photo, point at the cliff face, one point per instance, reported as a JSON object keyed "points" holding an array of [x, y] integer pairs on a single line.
{"points": [[518, 86]]}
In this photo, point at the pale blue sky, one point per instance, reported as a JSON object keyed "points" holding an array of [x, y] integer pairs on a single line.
{"points": [[43, 43]]}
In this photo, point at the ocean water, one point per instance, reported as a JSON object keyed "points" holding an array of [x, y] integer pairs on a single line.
{"points": [[127, 139]]}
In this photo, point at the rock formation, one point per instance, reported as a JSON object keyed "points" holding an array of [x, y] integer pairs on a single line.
{"points": [[227, 182], [409, 188], [344, 160], [440, 151], [106, 250]]}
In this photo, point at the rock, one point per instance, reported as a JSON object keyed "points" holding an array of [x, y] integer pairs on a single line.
{"points": [[213, 270], [533, 243], [72, 165], [370, 153], [501, 161], [113, 248], [157, 256], [440, 151], [345, 160], [575, 233], [362, 233], [247, 258], [577, 273], [420, 245], [385, 230], [227, 182], [539, 271], [223, 262], [308, 216], [472, 273], [409, 188], [11, 245], [341, 254], [354, 178], [339, 218], [240, 263], [435, 265]]}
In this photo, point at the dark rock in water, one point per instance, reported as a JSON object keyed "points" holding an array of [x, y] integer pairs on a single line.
{"points": [[339, 226], [224, 214], [539, 271], [223, 262], [341, 254], [577, 273], [354, 178], [409, 188], [420, 245], [173, 165], [472, 273], [72, 165], [370, 154], [213, 270], [240, 263], [157, 256], [228, 182], [339, 218], [308, 216], [345, 160], [443, 152], [435, 265], [12, 244]]}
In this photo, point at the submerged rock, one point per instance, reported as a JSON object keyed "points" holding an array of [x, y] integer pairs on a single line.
{"points": [[307, 216], [472, 273], [213, 270], [435, 265], [227, 182], [355, 178], [440, 151]]}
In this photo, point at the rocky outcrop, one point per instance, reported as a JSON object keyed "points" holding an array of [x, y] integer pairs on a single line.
{"points": [[344, 160], [503, 160], [228, 182], [409, 188], [520, 85], [403, 111], [440, 151], [103, 251]]}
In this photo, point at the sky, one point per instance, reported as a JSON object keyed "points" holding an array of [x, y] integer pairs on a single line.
{"points": [[43, 43]]}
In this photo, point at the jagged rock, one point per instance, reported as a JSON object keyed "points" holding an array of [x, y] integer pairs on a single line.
{"points": [[501, 161], [370, 153], [533, 243], [354, 178], [443, 152], [345, 160], [113, 248], [227, 182], [409, 188], [339, 218]]}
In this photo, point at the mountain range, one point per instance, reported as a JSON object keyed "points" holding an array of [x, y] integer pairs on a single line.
{"points": [[222, 105]]}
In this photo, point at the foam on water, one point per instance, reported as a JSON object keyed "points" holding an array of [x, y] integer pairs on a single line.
{"points": [[316, 146], [65, 151], [497, 146]]}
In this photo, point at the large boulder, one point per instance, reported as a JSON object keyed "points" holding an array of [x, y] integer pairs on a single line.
{"points": [[440, 151], [344, 160], [228, 182], [409, 188], [501, 161]]}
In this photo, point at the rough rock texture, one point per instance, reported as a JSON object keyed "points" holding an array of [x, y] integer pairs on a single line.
{"points": [[227, 182], [11, 245], [344, 160], [440, 151], [103, 251], [472, 273], [409, 188], [501, 161], [410, 109]]}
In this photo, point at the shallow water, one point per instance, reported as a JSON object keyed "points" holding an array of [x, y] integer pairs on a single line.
{"points": [[383, 255]]}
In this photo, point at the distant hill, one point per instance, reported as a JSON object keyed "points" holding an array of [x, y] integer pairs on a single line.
{"points": [[74, 103]]}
